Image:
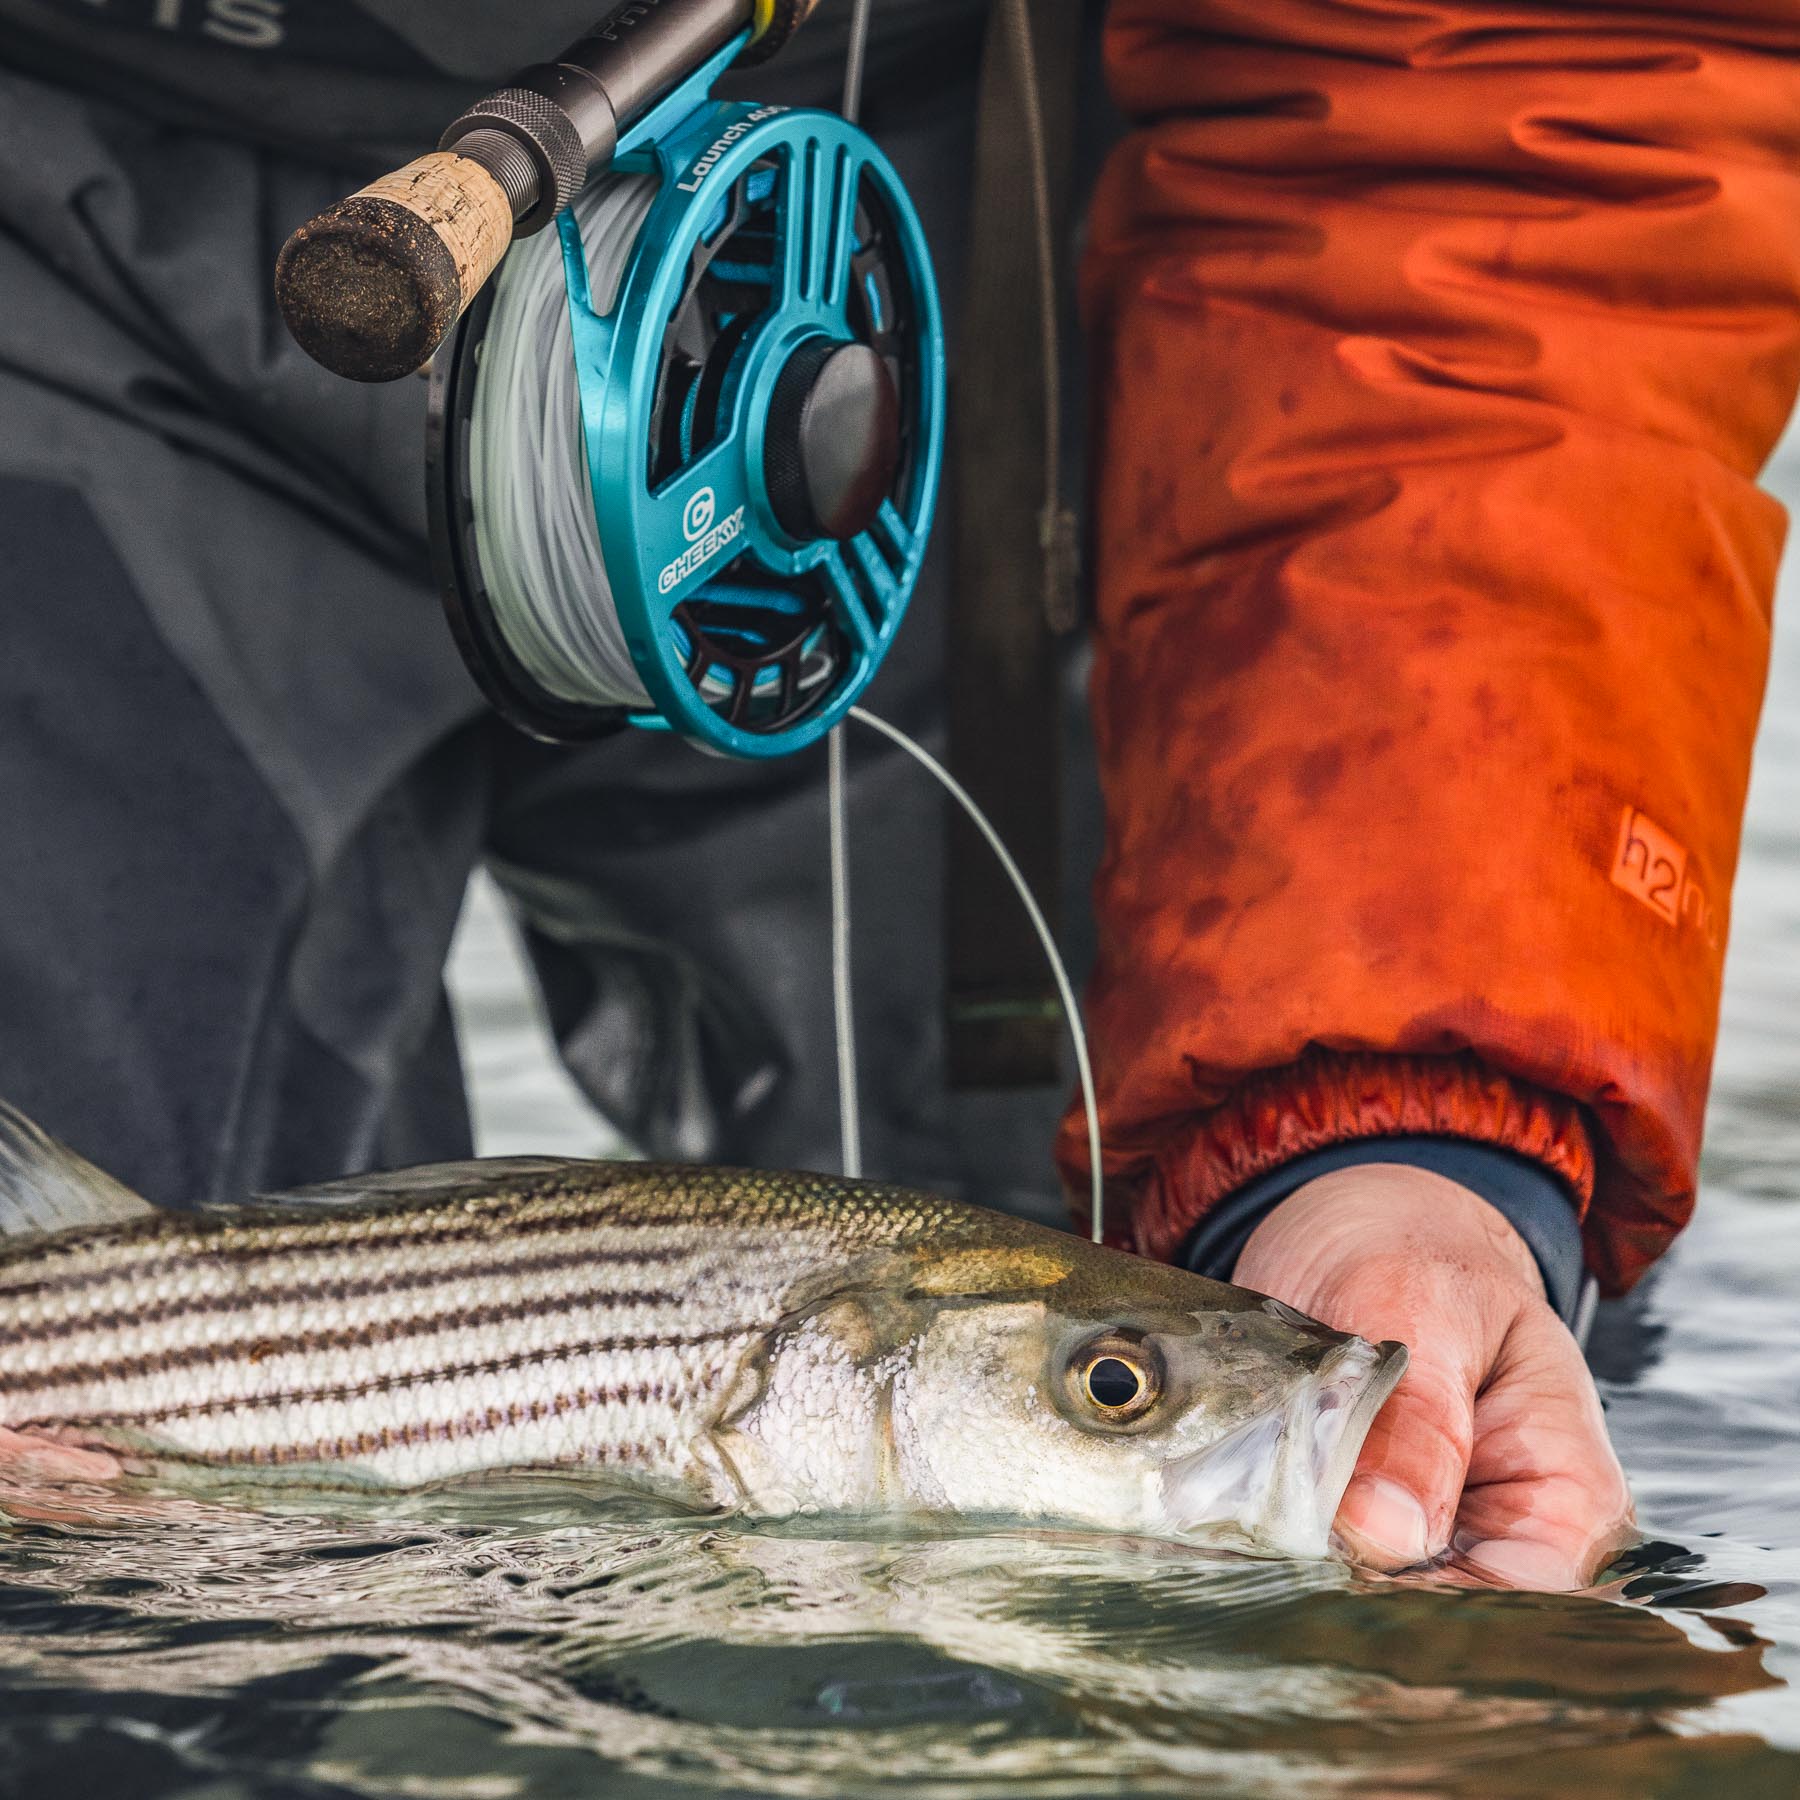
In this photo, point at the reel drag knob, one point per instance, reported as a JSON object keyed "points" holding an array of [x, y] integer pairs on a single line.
{"points": [[832, 448]]}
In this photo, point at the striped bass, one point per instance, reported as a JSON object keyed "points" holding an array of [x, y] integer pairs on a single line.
{"points": [[766, 1343]]}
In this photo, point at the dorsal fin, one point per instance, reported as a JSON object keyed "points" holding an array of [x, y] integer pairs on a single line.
{"points": [[45, 1186], [426, 1183]]}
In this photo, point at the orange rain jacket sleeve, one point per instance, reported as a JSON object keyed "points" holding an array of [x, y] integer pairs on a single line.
{"points": [[1437, 348]]}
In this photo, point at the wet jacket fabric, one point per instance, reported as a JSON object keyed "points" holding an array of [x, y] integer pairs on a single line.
{"points": [[1436, 350]]}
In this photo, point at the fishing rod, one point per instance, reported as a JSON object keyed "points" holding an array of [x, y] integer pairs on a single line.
{"points": [[371, 286], [683, 449]]}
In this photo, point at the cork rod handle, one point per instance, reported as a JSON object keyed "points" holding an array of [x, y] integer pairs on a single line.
{"points": [[372, 285]]}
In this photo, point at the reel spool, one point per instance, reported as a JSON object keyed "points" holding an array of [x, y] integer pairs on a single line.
{"points": [[733, 494]]}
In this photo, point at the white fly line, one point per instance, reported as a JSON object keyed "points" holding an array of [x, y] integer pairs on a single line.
{"points": [[843, 998], [1064, 987], [533, 504]]}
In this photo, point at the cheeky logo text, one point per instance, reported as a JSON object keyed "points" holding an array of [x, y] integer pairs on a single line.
{"points": [[697, 515], [702, 550]]}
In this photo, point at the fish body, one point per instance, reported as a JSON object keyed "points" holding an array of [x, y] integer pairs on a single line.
{"points": [[770, 1343]]}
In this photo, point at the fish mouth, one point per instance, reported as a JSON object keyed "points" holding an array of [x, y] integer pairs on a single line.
{"points": [[1353, 1387], [1274, 1485]]}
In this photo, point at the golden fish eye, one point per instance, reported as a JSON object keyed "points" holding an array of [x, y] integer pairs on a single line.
{"points": [[1117, 1377], [1113, 1383]]}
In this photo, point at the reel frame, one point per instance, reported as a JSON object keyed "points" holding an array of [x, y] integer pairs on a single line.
{"points": [[723, 609]]}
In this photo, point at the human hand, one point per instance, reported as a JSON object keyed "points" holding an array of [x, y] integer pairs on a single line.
{"points": [[1493, 1445]]}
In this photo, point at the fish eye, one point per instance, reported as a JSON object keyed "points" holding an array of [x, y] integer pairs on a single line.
{"points": [[1114, 1383], [1115, 1378]]}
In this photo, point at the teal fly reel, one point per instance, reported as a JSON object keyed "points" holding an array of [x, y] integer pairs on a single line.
{"points": [[685, 455]]}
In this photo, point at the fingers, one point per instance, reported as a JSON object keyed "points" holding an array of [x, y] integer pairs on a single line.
{"points": [[1400, 1507], [1393, 1252], [1546, 1504], [1493, 1444], [1521, 1483]]}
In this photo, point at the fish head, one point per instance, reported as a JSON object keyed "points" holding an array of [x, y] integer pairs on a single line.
{"points": [[1157, 1403]]}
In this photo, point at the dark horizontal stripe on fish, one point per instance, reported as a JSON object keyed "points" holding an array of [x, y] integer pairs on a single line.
{"points": [[372, 1443], [385, 1384], [344, 1337], [343, 1291], [325, 1235]]}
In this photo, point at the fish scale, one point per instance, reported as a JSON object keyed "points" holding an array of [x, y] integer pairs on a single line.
{"points": [[552, 1319]]}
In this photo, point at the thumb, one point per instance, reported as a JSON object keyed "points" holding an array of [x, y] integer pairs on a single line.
{"points": [[1400, 1506]]}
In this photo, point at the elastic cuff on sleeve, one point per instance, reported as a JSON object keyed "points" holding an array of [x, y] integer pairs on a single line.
{"points": [[1328, 1098], [1534, 1202]]}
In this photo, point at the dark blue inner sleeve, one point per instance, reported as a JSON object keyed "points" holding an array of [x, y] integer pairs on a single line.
{"points": [[1535, 1203]]}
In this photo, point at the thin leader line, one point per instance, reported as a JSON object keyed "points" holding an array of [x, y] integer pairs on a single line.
{"points": [[1064, 988]]}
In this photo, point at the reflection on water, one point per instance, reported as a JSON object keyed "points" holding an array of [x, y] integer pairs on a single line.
{"points": [[530, 1642], [512, 1645]]}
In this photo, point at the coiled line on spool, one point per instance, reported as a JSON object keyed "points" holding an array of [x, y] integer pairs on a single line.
{"points": [[533, 503], [531, 497]]}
